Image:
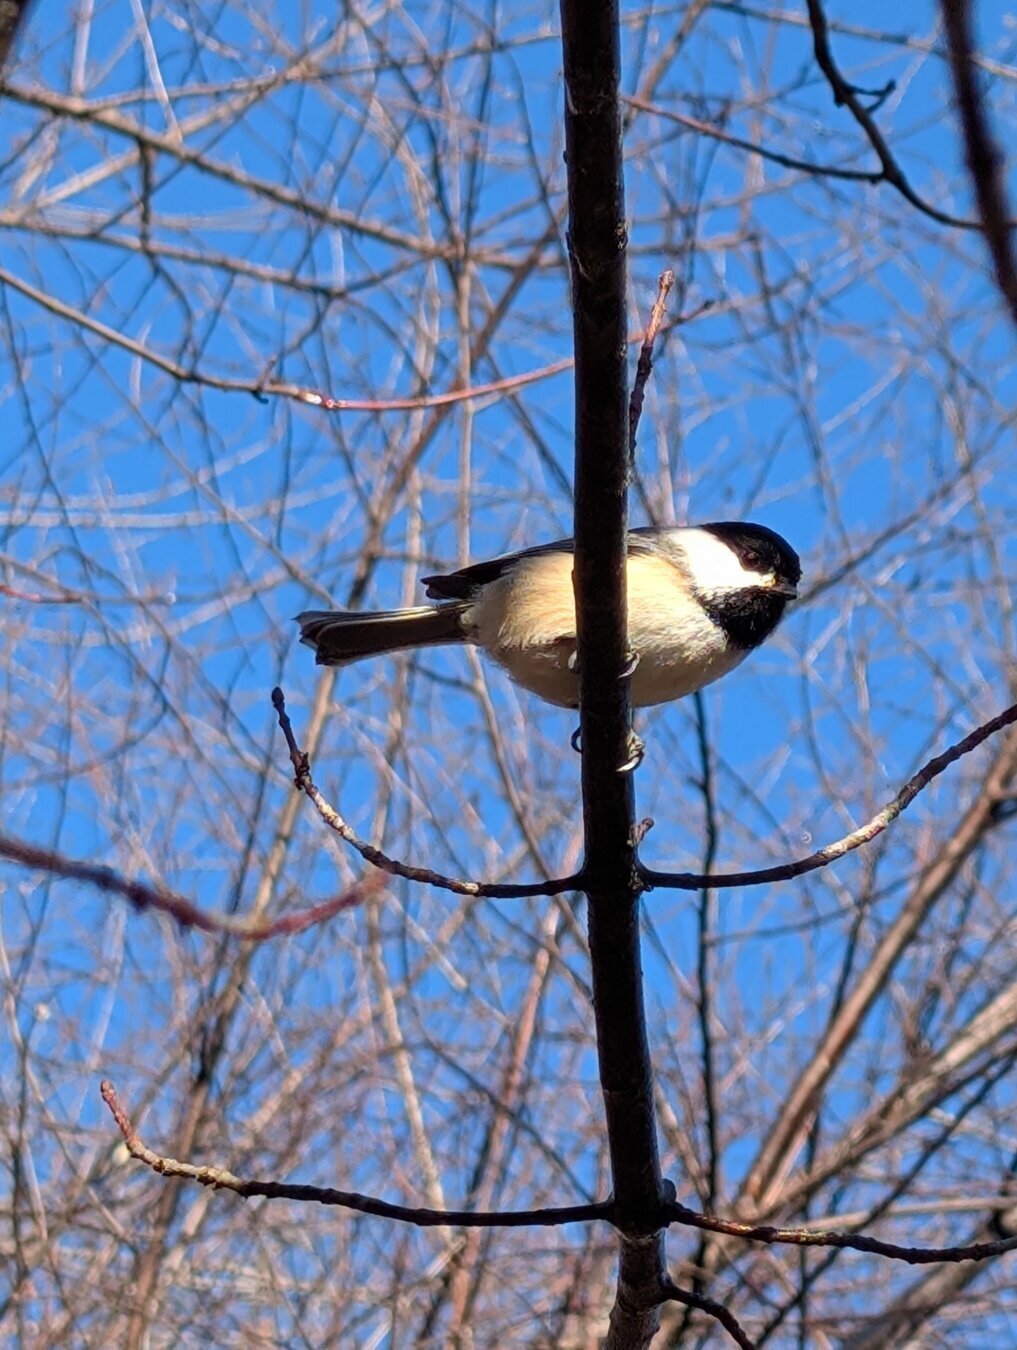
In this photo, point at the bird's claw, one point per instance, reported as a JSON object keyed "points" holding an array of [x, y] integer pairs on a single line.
{"points": [[628, 669], [637, 748], [637, 745]]}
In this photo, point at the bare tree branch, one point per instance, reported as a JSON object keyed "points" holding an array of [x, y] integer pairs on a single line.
{"points": [[847, 96], [597, 241], [688, 881], [717, 132], [178, 907], [265, 386], [645, 362], [713, 1309], [829, 1237], [370, 853], [985, 159], [219, 1178]]}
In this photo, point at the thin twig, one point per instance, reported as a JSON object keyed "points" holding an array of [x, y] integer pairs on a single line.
{"points": [[393, 866], [717, 133], [506, 383], [65, 597], [220, 1179], [833, 1237], [707, 902], [264, 388], [846, 95], [688, 881], [712, 1308], [178, 907], [645, 362]]}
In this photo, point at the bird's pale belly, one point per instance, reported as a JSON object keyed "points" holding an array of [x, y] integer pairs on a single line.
{"points": [[547, 672], [531, 634]]}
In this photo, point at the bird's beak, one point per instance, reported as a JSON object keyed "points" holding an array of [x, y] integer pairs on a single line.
{"points": [[785, 588]]}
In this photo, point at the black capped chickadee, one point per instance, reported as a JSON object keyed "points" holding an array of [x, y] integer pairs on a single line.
{"points": [[700, 598]]}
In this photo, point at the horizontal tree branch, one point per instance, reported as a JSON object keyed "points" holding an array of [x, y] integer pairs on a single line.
{"points": [[689, 881], [393, 866], [833, 1237], [176, 147], [268, 388], [178, 907], [265, 388], [221, 1179], [717, 133]]}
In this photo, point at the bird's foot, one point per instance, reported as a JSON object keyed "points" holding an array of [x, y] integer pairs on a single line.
{"points": [[629, 668], [637, 748]]}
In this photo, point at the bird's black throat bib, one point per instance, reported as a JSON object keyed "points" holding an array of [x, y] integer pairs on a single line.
{"points": [[746, 617]]}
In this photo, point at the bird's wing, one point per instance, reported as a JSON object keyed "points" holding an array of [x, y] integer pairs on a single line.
{"points": [[465, 583], [646, 540]]}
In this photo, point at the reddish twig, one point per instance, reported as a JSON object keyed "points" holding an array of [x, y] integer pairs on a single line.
{"points": [[265, 388], [221, 1179], [506, 383], [645, 363], [34, 598], [688, 881], [393, 866], [178, 907]]}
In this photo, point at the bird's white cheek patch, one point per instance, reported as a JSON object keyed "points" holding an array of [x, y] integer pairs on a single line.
{"points": [[714, 565]]}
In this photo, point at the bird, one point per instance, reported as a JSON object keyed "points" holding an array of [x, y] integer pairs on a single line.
{"points": [[700, 598]]}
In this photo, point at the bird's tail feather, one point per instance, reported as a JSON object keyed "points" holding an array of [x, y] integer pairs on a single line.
{"points": [[342, 636]]}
